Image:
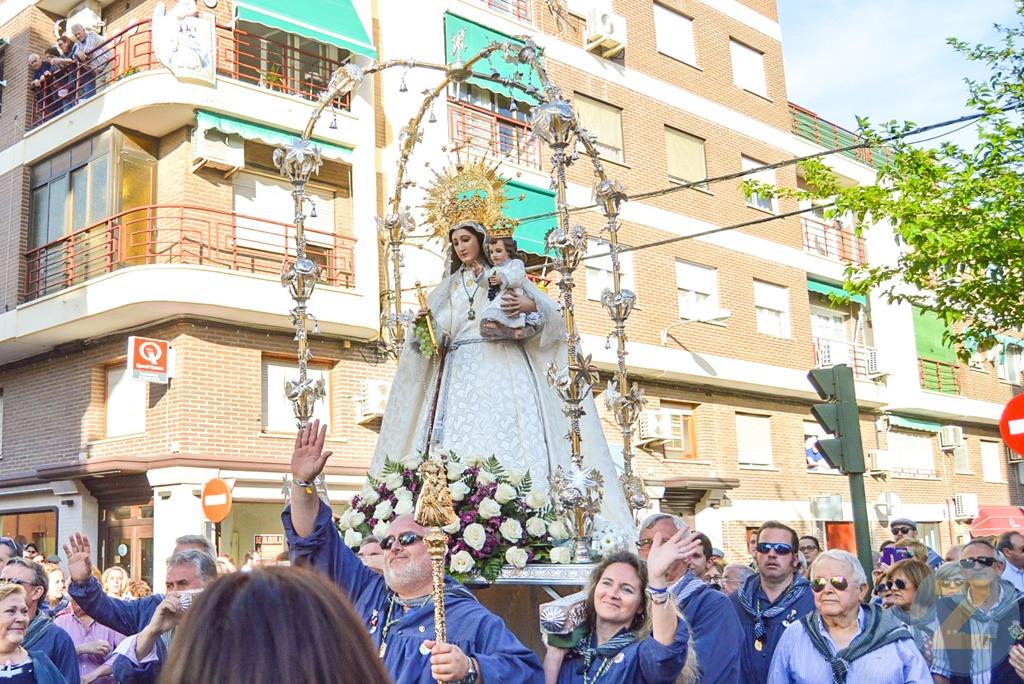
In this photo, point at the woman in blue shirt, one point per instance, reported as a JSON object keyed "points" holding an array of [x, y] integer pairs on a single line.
{"points": [[627, 597]]}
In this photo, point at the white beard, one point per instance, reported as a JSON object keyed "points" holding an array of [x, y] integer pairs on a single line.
{"points": [[408, 578]]}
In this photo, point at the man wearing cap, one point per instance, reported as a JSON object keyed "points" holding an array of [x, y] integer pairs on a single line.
{"points": [[905, 528]]}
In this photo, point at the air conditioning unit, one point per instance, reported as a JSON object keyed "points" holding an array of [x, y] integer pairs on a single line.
{"points": [[832, 352], [654, 426], [373, 400], [965, 506], [217, 150], [879, 461], [606, 32], [951, 437]]}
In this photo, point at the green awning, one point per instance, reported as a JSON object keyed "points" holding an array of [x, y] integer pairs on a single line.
{"points": [[475, 38], [913, 423], [827, 289], [327, 21], [928, 331], [530, 235], [266, 135], [1008, 341]]}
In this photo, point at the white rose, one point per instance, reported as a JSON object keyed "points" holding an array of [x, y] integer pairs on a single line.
{"points": [[458, 490], [515, 476], [368, 496], [461, 562], [403, 507], [511, 530], [412, 461], [504, 493], [537, 527], [455, 470], [356, 517], [383, 510], [537, 499], [352, 538], [345, 521], [485, 477], [402, 493], [474, 536], [489, 508], [380, 530], [558, 531], [517, 557], [560, 554], [453, 528], [394, 481]]}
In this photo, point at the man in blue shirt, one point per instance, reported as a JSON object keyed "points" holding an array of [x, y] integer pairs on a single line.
{"points": [[42, 635], [398, 607], [771, 600], [714, 628], [905, 528]]}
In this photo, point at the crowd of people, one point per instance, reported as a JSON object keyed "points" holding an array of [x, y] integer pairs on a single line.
{"points": [[671, 612], [69, 71]]}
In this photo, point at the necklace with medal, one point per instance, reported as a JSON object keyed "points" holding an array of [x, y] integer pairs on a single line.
{"points": [[471, 296], [406, 605]]}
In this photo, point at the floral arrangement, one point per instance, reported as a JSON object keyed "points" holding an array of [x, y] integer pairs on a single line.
{"points": [[503, 517]]}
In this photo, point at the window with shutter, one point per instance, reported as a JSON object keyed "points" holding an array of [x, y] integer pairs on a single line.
{"points": [[767, 177], [748, 68], [992, 456], [125, 403], [698, 290], [771, 309], [674, 35], [753, 439], [605, 122], [599, 270], [685, 155]]}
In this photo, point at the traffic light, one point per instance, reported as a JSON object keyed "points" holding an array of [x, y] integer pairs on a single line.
{"points": [[838, 416]]}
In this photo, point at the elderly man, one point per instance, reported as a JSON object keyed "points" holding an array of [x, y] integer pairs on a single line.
{"points": [[1011, 545], [771, 600], [41, 635], [842, 640], [371, 554], [195, 542], [398, 607], [91, 59], [733, 577], [714, 628], [905, 528], [150, 620], [978, 627]]}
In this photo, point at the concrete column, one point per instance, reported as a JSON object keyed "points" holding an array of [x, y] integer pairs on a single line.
{"points": [[177, 510]]}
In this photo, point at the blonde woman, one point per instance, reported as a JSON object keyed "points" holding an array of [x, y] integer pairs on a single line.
{"points": [[17, 665], [115, 581]]}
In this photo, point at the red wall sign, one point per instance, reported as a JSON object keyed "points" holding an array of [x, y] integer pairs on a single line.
{"points": [[149, 359]]}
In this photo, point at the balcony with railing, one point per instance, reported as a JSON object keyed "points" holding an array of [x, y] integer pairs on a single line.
{"points": [[517, 9], [181, 234], [809, 126], [829, 239], [483, 131], [938, 376], [241, 56], [859, 357]]}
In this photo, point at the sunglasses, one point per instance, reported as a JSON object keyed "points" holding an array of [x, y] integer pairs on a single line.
{"points": [[902, 530], [644, 543], [808, 549], [899, 584], [818, 583], [405, 539], [20, 583], [971, 563], [951, 584], [778, 547]]}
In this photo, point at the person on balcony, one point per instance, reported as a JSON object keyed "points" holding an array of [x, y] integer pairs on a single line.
{"points": [[91, 60]]}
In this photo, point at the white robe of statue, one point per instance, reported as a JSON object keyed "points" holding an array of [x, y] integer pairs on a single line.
{"points": [[494, 397]]}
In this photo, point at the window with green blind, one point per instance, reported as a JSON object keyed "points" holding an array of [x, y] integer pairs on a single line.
{"points": [[938, 361], [685, 154]]}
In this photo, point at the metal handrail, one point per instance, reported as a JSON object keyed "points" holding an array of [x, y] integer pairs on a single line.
{"points": [[831, 240], [499, 136]]}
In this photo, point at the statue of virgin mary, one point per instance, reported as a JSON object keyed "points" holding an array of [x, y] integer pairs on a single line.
{"points": [[492, 396]]}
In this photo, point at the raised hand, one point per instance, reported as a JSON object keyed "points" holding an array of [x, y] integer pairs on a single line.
{"points": [[309, 457], [664, 552], [79, 555]]}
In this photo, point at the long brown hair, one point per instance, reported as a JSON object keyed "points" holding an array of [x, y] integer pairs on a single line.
{"points": [[269, 626], [630, 559]]}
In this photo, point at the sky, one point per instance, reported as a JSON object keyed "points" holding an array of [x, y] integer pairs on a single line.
{"points": [[885, 59]]}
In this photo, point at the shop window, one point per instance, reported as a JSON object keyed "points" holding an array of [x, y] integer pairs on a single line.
{"points": [[126, 403], [278, 415], [38, 527]]}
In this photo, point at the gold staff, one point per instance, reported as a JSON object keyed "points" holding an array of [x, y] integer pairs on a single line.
{"points": [[430, 319], [434, 510]]}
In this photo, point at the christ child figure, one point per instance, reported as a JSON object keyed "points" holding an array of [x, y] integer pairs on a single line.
{"points": [[507, 275]]}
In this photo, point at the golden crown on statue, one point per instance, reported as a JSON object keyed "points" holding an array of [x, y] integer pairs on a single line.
{"points": [[468, 191]]}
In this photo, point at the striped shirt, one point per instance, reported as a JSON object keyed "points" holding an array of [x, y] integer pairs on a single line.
{"points": [[797, 661]]}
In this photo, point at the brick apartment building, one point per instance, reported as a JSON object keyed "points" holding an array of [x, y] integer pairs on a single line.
{"points": [[152, 208]]}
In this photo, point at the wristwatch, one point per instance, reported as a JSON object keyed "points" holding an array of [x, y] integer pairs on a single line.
{"points": [[472, 675]]}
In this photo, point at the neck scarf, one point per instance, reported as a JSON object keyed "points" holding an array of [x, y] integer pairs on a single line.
{"points": [[687, 586], [608, 650], [36, 629], [748, 596], [1007, 602], [880, 629]]}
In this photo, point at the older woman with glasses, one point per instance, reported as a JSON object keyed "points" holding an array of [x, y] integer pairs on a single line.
{"points": [[912, 587], [949, 579], [843, 640]]}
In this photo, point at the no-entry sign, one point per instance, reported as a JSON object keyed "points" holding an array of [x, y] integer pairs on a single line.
{"points": [[216, 500], [1011, 425], [149, 359]]}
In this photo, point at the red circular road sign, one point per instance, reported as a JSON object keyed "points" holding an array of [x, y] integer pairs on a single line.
{"points": [[1011, 424], [216, 500]]}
